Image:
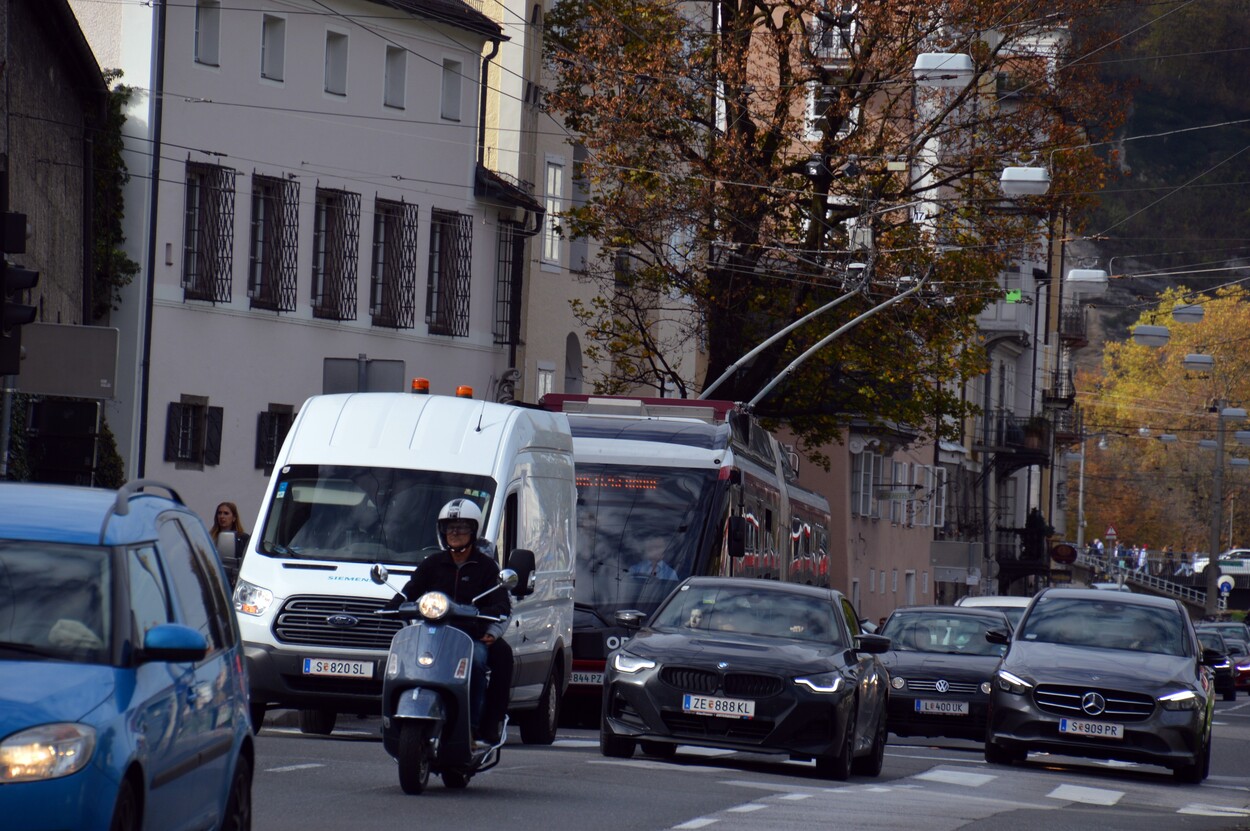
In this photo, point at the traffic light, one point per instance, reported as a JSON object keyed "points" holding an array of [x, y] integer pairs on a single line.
{"points": [[14, 279]]}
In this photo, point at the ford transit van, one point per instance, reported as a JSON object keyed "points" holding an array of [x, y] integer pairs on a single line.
{"points": [[360, 480]]}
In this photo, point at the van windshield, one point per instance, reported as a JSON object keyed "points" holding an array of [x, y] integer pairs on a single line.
{"points": [[363, 514]]}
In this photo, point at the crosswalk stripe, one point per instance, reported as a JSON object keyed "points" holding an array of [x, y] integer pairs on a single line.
{"points": [[954, 776], [1198, 809], [1089, 796]]}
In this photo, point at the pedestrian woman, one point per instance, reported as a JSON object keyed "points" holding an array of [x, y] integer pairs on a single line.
{"points": [[230, 538]]}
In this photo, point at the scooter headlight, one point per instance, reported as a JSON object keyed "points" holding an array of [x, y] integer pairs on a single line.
{"points": [[433, 605]]}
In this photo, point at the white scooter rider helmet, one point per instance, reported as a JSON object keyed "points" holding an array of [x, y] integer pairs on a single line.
{"points": [[459, 510]]}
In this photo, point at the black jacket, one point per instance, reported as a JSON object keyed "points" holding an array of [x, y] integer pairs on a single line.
{"points": [[438, 572]]}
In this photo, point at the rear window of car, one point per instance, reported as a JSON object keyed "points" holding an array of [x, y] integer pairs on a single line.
{"points": [[751, 611], [1105, 624]]}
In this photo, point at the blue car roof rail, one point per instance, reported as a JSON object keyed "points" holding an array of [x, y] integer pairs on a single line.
{"points": [[121, 505]]}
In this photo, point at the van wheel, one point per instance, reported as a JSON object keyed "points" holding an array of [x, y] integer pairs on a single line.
{"points": [[538, 726], [317, 722]]}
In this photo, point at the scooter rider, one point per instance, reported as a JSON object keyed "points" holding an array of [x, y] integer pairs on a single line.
{"points": [[463, 571]]}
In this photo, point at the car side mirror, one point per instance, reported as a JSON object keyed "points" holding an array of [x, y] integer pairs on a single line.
{"points": [[521, 561], [630, 619], [1211, 657], [999, 636], [874, 644], [174, 643]]}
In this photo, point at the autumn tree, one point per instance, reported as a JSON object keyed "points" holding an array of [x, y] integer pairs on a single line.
{"points": [[742, 155], [1158, 492]]}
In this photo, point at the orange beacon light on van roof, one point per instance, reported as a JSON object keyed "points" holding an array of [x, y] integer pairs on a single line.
{"points": [[420, 386], [464, 391]]}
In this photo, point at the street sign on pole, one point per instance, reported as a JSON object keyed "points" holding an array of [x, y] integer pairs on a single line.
{"points": [[1110, 535], [1225, 584]]}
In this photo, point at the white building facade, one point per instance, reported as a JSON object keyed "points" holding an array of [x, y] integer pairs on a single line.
{"points": [[311, 214]]}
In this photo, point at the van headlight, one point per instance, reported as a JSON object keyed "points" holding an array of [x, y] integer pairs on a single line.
{"points": [[1183, 700], [48, 751], [1012, 683], [624, 662], [251, 599]]}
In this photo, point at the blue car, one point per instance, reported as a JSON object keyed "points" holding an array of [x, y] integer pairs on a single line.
{"points": [[123, 694]]}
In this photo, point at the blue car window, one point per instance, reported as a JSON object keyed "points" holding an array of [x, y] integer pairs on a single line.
{"points": [[55, 600], [149, 595], [190, 588]]}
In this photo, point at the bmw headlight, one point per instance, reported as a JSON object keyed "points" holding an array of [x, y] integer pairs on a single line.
{"points": [[1012, 683], [898, 682], [825, 682], [433, 605], [48, 751], [624, 662], [251, 599], [1183, 700]]}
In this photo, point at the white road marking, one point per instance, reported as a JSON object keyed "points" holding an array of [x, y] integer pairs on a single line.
{"points": [[747, 808], [574, 743], [668, 766], [1089, 796], [289, 768], [954, 776], [775, 787], [795, 797], [934, 758], [705, 751], [1198, 809], [701, 822]]}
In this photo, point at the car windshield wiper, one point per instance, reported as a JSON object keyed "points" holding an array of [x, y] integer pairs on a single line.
{"points": [[27, 649]]}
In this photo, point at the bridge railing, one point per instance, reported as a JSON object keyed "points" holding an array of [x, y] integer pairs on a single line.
{"points": [[1160, 585]]}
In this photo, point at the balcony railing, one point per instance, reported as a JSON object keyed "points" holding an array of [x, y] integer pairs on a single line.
{"points": [[1072, 327]]}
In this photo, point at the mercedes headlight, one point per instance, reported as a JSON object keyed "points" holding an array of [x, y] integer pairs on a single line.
{"points": [[1012, 683], [624, 662], [825, 682], [1183, 700], [251, 599], [434, 605], [48, 751]]}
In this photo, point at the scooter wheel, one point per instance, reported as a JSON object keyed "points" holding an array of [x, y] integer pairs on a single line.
{"points": [[414, 757], [456, 780]]}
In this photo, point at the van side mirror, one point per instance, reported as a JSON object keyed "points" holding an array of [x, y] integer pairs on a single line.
{"points": [[521, 561], [737, 536]]}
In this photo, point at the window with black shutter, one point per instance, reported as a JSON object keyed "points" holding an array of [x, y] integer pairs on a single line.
{"points": [[272, 426], [193, 433]]}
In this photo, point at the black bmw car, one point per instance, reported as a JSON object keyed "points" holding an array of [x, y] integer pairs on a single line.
{"points": [[1225, 671], [1105, 675], [749, 665], [940, 666]]}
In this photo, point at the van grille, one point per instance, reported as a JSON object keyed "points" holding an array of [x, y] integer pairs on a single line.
{"points": [[307, 621]]}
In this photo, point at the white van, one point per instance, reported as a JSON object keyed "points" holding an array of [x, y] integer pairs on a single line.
{"points": [[360, 480]]}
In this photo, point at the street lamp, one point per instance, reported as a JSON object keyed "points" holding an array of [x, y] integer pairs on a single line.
{"points": [[1217, 503]]}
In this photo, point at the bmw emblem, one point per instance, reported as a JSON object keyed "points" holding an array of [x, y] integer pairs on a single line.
{"points": [[943, 686], [722, 665], [1093, 703], [342, 621]]}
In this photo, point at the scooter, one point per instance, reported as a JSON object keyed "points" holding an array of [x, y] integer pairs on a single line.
{"points": [[426, 691]]}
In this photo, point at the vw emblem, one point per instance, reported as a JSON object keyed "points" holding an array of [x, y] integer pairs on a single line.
{"points": [[722, 665], [342, 620], [943, 686], [1093, 703]]}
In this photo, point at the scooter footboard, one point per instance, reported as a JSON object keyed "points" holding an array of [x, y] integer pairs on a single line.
{"points": [[420, 702]]}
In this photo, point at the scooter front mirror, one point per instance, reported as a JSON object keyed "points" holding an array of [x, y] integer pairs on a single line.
{"points": [[507, 577], [379, 574]]}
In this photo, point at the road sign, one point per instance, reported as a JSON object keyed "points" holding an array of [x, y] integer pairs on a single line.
{"points": [[1225, 584], [1110, 535]]}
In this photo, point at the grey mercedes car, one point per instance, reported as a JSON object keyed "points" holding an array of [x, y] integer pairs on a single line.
{"points": [[1104, 675]]}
